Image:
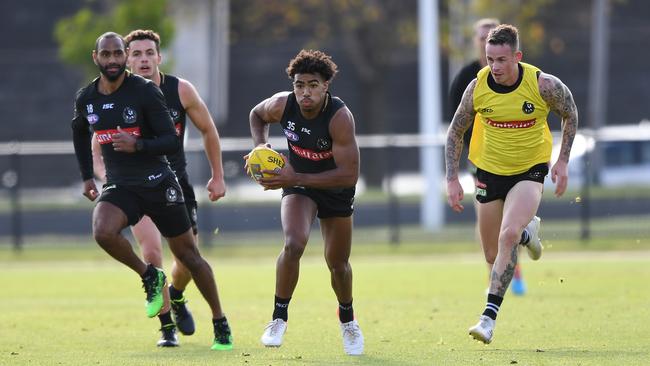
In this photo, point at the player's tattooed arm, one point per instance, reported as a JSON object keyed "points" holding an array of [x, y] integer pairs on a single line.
{"points": [[461, 121], [559, 99]]}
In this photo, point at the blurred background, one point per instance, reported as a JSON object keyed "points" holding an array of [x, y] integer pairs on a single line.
{"points": [[396, 60]]}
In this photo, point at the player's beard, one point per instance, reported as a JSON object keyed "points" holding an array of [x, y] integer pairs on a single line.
{"points": [[112, 76]]}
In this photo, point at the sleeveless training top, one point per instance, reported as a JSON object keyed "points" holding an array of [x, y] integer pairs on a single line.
{"points": [[514, 134], [309, 140], [169, 87]]}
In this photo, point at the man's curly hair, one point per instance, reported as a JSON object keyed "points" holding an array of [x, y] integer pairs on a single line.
{"points": [[141, 34], [312, 62]]}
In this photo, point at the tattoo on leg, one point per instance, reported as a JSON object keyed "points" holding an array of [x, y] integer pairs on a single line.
{"points": [[502, 281]]}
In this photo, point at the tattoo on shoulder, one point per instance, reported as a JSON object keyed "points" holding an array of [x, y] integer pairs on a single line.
{"points": [[559, 99], [557, 95]]}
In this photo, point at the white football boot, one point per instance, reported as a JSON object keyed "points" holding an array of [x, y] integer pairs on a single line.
{"points": [[534, 246], [483, 330], [274, 332], [352, 338]]}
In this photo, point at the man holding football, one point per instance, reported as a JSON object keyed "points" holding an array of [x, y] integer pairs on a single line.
{"points": [[318, 181]]}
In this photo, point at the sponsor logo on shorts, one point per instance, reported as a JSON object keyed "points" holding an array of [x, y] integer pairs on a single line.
{"points": [[154, 176], [171, 194], [291, 136], [129, 115], [481, 192]]}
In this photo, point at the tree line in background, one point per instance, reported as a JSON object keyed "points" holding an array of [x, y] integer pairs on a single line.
{"points": [[376, 36]]}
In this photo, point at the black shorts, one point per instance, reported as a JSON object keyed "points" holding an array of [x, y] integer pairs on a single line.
{"points": [[163, 203], [329, 202], [190, 200], [491, 187]]}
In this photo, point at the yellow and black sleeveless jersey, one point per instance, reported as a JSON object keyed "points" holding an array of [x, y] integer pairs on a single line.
{"points": [[511, 133]]}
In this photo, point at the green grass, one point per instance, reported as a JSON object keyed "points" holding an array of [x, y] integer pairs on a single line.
{"points": [[72, 305]]}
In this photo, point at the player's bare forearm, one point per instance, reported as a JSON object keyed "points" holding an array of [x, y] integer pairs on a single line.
{"points": [[461, 121], [344, 175], [212, 146], [560, 100], [259, 129]]}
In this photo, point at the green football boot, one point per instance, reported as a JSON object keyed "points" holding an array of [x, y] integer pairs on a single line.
{"points": [[222, 336], [153, 283]]}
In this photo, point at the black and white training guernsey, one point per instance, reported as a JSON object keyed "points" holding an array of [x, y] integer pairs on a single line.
{"points": [[137, 107], [169, 87], [309, 140]]}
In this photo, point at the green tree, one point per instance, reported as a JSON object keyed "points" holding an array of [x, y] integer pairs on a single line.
{"points": [[76, 34]]}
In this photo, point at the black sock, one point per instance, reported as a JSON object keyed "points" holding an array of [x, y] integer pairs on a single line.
{"points": [[221, 325], [525, 237], [175, 294], [492, 306], [346, 312], [165, 319], [150, 271], [281, 308]]}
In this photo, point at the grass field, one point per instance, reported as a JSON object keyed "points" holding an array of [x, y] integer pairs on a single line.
{"points": [[75, 306]]}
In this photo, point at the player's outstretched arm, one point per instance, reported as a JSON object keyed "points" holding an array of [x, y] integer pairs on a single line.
{"points": [[461, 121], [201, 118], [560, 100]]}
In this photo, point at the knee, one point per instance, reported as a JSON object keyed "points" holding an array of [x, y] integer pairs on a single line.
{"points": [[152, 252], [104, 236], [509, 236], [191, 260], [294, 248], [338, 267]]}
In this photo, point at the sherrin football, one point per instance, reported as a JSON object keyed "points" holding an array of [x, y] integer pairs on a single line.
{"points": [[263, 158]]}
